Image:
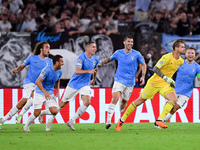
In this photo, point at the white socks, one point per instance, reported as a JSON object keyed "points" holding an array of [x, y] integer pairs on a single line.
{"points": [[167, 117], [26, 107], [11, 113], [79, 112], [111, 110], [45, 112], [31, 118]]}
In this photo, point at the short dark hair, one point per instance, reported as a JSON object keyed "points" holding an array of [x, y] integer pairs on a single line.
{"points": [[56, 58], [191, 48], [88, 43], [128, 37], [176, 43], [38, 46]]}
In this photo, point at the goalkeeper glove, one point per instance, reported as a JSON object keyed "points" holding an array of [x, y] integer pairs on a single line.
{"points": [[170, 81]]}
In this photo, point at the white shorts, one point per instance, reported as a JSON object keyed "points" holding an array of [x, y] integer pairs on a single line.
{"points": [[71, 93], [28, 90], [125, 90], [182, 100], [39, 99]]}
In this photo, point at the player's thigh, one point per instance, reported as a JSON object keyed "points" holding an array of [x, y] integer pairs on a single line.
{"points": [[169, 93], [51, 102], [182, 100], [118, 87], [38, 101], [165, 90], [69, 94], [85, 91], [126, 94], [148, 92], [28, 89]]}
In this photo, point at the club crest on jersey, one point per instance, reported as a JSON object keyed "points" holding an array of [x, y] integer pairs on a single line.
{"points": [[144, 95], [132, 57], [58, 75], [93, 63], [179, 64], [193, 69], [160, 63]]}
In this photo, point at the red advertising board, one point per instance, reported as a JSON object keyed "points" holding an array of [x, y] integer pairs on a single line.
{"points": [[97, 111]]}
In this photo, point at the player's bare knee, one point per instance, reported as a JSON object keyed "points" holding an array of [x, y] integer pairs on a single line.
{"points": [[87, 103], [37, 112], [54, 112]]}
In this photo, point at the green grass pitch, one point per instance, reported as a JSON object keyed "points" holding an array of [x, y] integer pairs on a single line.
{"points": [[138, 136]]}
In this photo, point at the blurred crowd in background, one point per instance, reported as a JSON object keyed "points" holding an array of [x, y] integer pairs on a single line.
{"points": [[180, 17], [176, 17]]}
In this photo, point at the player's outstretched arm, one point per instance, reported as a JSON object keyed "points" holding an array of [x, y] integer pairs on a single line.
{"points": [[40, 86], [107, 60], [144, 69], [57, 86], [167, 79], [18, 69], [94, 77]]}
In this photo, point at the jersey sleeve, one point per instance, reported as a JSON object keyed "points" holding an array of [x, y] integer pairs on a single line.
{"points": [[79, 61], [44, 73], [140, 59], [27, 61], [60, 74], [97, 61], [114, 56], [162, 61]]}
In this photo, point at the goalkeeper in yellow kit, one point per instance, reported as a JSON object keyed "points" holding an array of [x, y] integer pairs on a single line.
{"points": [[161, 82]]}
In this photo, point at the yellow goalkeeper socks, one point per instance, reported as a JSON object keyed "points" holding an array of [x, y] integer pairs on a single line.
{"points": [[128, 111], [168, 107]]}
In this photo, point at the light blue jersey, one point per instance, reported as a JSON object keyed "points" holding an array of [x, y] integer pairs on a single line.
{"points": [[36, 64], [127, 66], [185, 78], [50, 76], [81, 80]]}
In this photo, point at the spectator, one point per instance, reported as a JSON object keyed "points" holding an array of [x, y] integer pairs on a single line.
{"points": [[183, 26], [131, 17], [27, 12], [52, 17], [5, 25], [42, 4], [75, 21], [16, 6], [195, 25], [31, 22], [141, 10], [127, 7], [44, 24], [4, 7], [172, 26], [68, 29], [57, 28], [13, 22], [159, 5], [57, 11], [21, 23], [71, 6]]}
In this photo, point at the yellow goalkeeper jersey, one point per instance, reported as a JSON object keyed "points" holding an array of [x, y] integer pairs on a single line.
{"points": [[168, 66]]}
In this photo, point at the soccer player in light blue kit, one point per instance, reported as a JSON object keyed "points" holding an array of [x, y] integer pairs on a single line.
{"points": [[36, 63], [125, 76], [86, 65], [44, 90], [184, 81]]}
